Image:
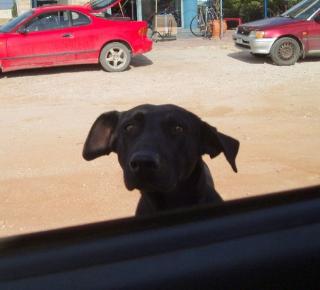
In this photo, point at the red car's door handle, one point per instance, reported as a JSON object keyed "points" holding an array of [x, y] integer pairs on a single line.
{"points": [[67, 35]]}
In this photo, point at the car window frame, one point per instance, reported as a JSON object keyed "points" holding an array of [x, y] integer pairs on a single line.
{"points": [[85, 15], [316, 15], [24, 26]]}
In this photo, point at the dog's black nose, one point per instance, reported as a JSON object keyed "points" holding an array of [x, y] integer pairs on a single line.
{"points": [[144, 161]]}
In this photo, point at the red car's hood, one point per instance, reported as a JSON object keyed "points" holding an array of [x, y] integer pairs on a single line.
{"points": [[270, 22], [101, 5]]}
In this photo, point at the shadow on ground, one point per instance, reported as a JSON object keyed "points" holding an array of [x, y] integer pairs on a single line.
{"points": [[310, 59], [140, 61], [137, 61], [247, 57], [52, 70]]}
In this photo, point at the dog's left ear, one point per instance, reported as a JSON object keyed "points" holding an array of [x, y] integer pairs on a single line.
{"points": [[100, 140], [214, 142]]}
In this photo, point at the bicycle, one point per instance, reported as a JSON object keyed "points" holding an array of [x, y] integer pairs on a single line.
{"points": [[200, 24]]}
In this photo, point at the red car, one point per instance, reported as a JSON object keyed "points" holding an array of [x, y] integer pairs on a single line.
{"points": [[64, 35], [294, 34]]}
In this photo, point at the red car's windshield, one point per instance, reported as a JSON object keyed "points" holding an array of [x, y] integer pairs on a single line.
{"points": [[303, 10], [15, 21]]}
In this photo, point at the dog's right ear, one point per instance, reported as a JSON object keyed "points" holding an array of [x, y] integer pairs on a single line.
{"points": [[214, 143], [100, 140]]}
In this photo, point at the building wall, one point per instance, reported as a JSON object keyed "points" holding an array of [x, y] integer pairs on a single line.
{"points": [[76, 2], [189, 11], [23, 5], [146, 8], [26, 4], [5, 10], [189, 8], [6, 4], [5, 15]]}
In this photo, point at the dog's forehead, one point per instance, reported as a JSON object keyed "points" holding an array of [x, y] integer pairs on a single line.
{"points": [[161, 112]]}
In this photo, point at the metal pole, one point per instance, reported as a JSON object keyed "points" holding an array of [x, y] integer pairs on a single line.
{"points": [[132, 10], [156, 17], [139, 9], [221, 18], [265, 8], [120, 6]]}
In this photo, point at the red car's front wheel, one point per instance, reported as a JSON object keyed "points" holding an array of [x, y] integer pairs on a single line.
{"points": [[285, 51], [115, 57]]}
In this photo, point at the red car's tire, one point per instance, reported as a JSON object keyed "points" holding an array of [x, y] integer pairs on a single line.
{"points": [[285, 51], [115, 57]]}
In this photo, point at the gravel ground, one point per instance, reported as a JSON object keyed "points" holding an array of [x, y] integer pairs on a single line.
{"points": [[45, 116]]}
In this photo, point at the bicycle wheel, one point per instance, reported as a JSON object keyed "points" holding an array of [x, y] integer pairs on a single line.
{"points": [[198, 26]]}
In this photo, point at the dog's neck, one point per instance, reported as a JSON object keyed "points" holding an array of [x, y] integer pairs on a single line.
{"points": [[196, 189]]}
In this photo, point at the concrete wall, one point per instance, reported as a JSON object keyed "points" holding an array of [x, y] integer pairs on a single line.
{"points": [[5, 10], [6, 4], [76, 2], [5, 15], [23, 5]]}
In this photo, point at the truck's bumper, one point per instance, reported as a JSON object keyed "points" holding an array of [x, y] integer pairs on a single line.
{"points": [[257, 46]]}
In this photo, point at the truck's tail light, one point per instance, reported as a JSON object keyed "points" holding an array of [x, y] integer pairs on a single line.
{"points": [[143, 31]]}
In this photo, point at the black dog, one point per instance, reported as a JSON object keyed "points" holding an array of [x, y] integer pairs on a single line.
{"points": [[159, 149]]}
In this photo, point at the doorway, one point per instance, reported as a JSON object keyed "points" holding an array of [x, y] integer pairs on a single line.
{"points": [[38, 3], [149, 8]]}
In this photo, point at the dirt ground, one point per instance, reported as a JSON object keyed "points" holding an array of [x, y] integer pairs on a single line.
{"points": [[45, 116]]}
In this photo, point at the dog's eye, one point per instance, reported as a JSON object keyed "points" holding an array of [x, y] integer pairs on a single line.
{"points": [[129, 127], [177, 129]]}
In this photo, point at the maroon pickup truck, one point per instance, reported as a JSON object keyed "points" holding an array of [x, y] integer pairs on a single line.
{"points": [[293, 35]]}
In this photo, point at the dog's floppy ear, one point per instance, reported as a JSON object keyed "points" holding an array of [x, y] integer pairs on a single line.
{"points": [[214, 142], [100, 140]]}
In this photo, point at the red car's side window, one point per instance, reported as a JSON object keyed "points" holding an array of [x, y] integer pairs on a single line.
{"points": [[79, 19], [48, 21]]}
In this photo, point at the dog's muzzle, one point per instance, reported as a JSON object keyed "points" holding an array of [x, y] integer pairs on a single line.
{"points": [[144, 162], [147, 171]]}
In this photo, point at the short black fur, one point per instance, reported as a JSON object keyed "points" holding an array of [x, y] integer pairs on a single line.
{"points": [[160, 150]]}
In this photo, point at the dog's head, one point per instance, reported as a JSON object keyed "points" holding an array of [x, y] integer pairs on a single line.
{"points": [[157, 146]]}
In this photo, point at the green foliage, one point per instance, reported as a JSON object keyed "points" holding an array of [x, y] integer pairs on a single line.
{"points": [[250, 10], [14, 9]]}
